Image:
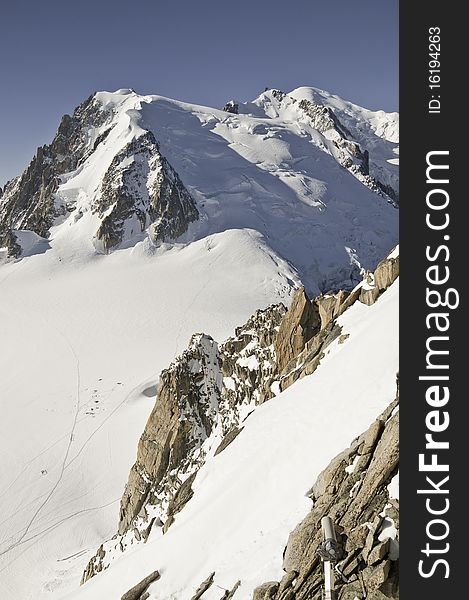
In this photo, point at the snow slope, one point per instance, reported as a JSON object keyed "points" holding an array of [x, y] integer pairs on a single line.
{"points": [[249, 498], [83, 343]]}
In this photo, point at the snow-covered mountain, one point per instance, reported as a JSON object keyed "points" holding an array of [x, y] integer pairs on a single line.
{"points": [[314, 175], [145, 221]]}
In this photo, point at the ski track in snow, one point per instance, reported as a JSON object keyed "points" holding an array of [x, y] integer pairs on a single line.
{"points": [[67, 451], [47, 530]]}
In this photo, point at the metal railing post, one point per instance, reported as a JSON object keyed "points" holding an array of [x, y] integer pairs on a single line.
{"points": [[329, 551]]}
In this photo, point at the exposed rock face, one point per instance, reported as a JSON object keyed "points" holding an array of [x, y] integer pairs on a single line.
{"points": [[353, 490], [386, 273], [322, 118], [139, 591], [206, 394], [182, 419], [375, 283], [231, 107], [299, 325], [10, 242], [203, 587], [347, 152], [29, 201], [139, 189]]}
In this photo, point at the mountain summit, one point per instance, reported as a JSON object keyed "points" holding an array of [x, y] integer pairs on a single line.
{"points": [[306, 170]]}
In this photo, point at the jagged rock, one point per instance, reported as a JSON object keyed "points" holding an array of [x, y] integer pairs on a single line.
{"points": [[330, 305], [352, 591], [10, 242], [277, 94], [356, 538], [179, 500], [249, 363], [287, 581], [298, 326], [231, 107], [203, 587], [378, 553], [141, 189], [139, 590], [374, 577], [347, 153], [369, 296], [386, 273], [28, 201], [181, 420], [266, 591], [192, 404], [384, 276], [322, 118], [228, 595], [309, 359]]}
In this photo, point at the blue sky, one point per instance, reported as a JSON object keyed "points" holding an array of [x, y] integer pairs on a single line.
{"points": [[53, 54]]}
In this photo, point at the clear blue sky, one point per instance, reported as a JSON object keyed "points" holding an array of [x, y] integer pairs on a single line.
{"points": [[54, 53]]}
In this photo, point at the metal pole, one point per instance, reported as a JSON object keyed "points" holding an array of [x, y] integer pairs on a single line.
{"points": [[330, 548], [328, 581]]}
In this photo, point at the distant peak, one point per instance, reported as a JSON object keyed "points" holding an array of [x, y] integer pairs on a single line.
{"points": [[125, 91]]}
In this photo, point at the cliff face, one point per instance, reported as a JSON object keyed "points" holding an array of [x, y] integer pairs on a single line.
{"points": [[139, 189], [207, 393], [29, 201]]}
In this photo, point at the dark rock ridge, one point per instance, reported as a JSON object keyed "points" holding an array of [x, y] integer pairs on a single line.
{"points": [[29, 201], [347, 151], [207, 393], [140, 189], [139, 591], [353, 490], [231, 107]]}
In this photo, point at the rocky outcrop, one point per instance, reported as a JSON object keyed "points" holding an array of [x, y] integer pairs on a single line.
{"points": [[231, 107], [139, 591], [375, 283], [10, 242], [141, 189], [205, 396], [299, 325], [323, 119], [353, 491], [29, 201], [386, 273], [347, 152], [203, 587], [182, 419]]}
